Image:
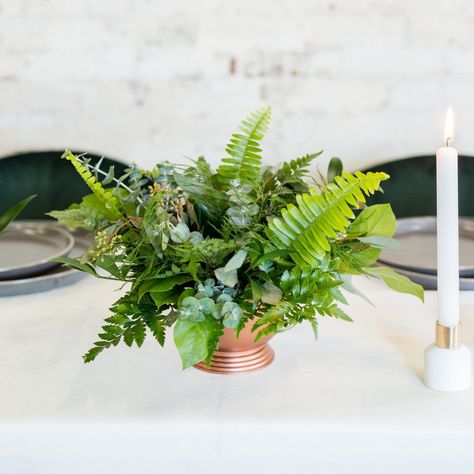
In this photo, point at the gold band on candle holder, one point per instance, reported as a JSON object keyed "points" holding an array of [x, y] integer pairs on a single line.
{"points": [[448, 337]]}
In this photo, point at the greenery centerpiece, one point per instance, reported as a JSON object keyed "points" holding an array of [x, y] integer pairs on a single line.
{"points": [[204, 250]]}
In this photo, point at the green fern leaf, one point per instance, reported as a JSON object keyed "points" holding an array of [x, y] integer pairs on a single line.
{"points": [[105, 196], [158, 330], [92, 354], [295, 170], [139, 332], [244, 160], [305, 229]]}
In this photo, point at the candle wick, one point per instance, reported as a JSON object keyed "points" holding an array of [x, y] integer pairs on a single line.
{"points": [[448, 139]]}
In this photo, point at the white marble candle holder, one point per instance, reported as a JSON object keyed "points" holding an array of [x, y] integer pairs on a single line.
{"points": [[447, 361]]}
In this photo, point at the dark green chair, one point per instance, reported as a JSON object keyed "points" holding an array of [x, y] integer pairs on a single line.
{"points": [[411, 189], [54, 180]]}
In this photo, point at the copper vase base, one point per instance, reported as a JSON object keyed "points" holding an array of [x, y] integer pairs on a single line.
{"points": [[239, 362]]}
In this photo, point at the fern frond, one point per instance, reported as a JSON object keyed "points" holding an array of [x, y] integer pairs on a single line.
{"points": [[106, 197], [281, 317], [244, 160], [297, 169], [305, 229]]}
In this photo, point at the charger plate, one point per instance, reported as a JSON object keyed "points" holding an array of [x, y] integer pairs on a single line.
{"points": [[27, 248], [55, 277], [417, 236]]}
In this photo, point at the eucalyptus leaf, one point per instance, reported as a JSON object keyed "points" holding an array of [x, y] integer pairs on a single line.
{"points": [[227, 278], [208, 307], [381, 242], [184, 294], [231, 314], [271, 294], [179, 233], [236, 261], [110, 174]]}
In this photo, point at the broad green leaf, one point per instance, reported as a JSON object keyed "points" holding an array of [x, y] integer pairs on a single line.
{"points": [[76, 264], [107, 263], [270, 256], [11, 214], [161, 298], [367, 256], [257, 291], [191, 339], [236, 261], [374, 220], [162, 284], [381, 242], [396, 282], [334, 168]]}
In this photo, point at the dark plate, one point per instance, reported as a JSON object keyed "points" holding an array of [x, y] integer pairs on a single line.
{"points": [[27, 248], [418, 238], [54, 278]]}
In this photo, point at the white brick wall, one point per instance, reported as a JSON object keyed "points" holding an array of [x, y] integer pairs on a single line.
{"points": [[143, 80]]}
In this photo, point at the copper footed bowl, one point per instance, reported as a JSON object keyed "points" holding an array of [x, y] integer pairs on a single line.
{"points": [[242, 355]]}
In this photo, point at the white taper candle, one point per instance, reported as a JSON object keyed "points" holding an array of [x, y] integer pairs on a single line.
{"points": [[447, 229]]}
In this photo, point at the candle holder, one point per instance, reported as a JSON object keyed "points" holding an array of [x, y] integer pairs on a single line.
{"points": [[448, 361]]}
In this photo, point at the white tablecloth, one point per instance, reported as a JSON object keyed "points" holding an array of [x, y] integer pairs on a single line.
{"points": [[352, 402]]}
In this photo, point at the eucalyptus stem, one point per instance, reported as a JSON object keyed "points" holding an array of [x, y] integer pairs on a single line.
{"points": [[103, 173]]}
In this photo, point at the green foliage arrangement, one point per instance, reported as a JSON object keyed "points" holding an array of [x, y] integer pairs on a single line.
{"points": [[205, 250]]}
